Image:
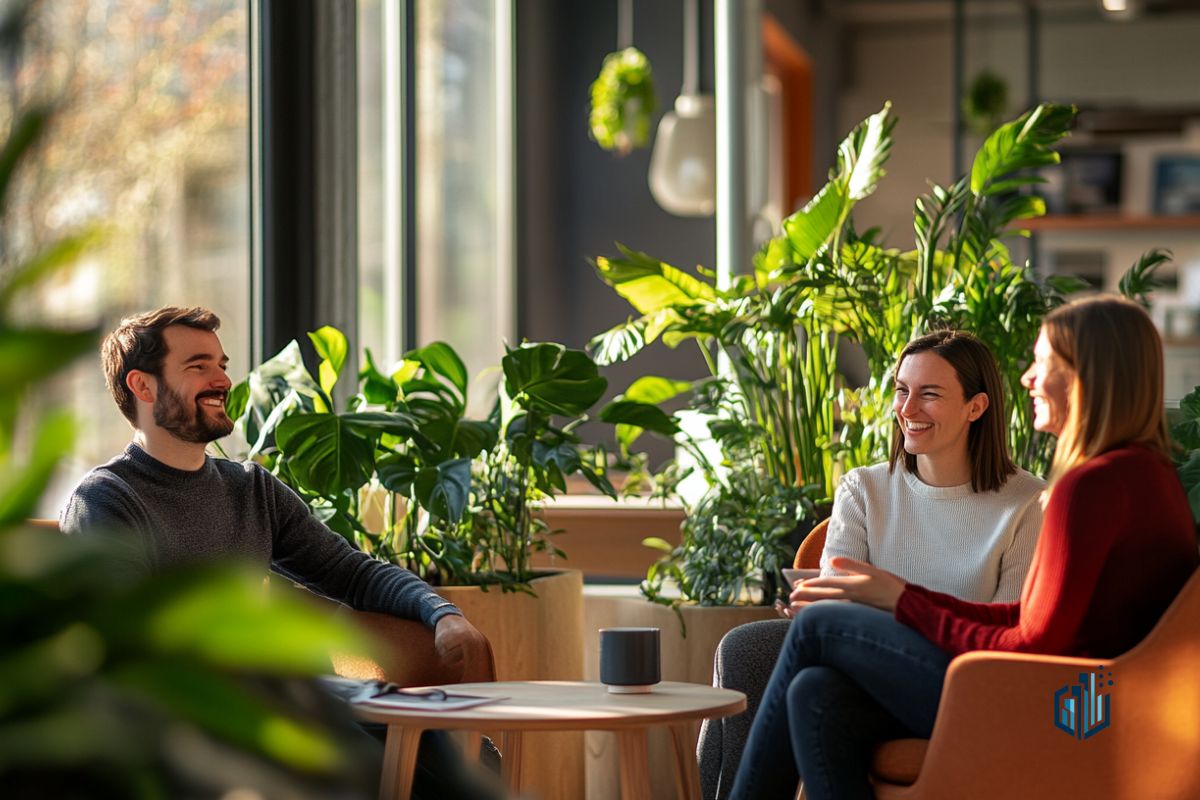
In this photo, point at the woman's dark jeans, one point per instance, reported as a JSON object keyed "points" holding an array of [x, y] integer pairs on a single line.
{"points": [[849, 676]]}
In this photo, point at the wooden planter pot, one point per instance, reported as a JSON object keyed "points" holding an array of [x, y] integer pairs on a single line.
{"points": [[536, 638], [687, 658]]}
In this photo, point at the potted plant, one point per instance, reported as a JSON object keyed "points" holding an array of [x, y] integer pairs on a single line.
{"points": [[403, 471], [784, 426]]}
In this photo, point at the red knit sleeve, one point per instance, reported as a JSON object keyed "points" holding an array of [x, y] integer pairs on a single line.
{"points": [[1086, 509], [917, 597]]}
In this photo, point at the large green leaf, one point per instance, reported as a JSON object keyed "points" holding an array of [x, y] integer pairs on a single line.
{"points": [[1023, 144], [551, 378], [1142, 278], [655, 389], [619, 343], [332, 347], [283, 380], [377, 388], [863, 153], [440, 359], [649, 284], [326, 453], [443, 490], [810, 228]]}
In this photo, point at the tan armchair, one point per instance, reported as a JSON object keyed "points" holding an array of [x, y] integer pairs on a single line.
{"points": [[995, 737]]}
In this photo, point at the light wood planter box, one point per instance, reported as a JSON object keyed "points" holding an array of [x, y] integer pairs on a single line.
{"points": [[603, 537], [536, 638], [683, 659]]}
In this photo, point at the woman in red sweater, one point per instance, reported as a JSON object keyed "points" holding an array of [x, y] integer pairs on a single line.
{"points": [[1117, 544]]}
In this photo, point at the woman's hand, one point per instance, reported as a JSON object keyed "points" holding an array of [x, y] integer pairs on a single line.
{"points": [[864, 584]]}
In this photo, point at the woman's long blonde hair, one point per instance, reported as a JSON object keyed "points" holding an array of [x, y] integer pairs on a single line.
{"points": [[1116, 397]]}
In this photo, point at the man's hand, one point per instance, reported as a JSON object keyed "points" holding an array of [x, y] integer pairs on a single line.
{"points": [[461, 647], [864, 584]]}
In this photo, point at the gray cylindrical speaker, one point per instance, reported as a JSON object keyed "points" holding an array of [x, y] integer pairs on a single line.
{"points": [[629, 659]]}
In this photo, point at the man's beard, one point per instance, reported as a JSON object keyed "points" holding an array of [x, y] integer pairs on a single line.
{"points": [[188, 423]]}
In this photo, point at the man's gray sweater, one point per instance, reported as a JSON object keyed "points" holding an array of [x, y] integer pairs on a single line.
{"points": [[232, 510]]}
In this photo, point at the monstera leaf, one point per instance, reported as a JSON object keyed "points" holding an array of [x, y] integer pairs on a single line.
{"points": [[552, 379], [331, 453]]}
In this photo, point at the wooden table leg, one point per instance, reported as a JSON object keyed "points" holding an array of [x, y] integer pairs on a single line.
{"points": [[635, 764], [399, 762], [510, 752], [687, 770]]}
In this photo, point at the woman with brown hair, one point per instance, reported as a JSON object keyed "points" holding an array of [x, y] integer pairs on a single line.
{"points": [[1117, 544], [948, 510]]}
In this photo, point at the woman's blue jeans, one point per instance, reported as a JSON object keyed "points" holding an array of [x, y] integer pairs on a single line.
{"points": [[849, 676]]}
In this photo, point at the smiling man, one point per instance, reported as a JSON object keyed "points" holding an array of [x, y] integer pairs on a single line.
{"points": [[166, 371]]}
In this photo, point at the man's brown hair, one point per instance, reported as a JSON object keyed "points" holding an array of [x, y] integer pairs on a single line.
{"points": [[987, 438], [137, 343]]}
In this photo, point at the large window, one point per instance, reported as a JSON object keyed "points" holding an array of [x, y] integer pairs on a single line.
{"points": [[150, 144], [440, 71]]}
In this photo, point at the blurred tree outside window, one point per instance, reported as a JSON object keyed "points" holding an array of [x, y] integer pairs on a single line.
{"points": [[150, 141]]}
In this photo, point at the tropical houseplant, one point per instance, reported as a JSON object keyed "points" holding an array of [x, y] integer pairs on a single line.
{"points": [[400, 469], [824, 278], [404, 472]]}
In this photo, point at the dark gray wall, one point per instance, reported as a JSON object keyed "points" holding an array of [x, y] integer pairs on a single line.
{"points": [[574, 199]]}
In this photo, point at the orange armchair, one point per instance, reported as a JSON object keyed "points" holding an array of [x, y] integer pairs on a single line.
{"points": [[808, 554], [995, 735]]}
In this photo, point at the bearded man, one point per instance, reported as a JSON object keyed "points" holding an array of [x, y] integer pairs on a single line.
{"points": [[166, 371]]}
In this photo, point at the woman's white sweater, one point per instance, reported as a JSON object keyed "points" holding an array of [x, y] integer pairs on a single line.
{"points": [[976, 546]]}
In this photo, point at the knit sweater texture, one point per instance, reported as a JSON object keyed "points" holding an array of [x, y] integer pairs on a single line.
{"points": [[1117, 545], [228, 510], [973, 545]]}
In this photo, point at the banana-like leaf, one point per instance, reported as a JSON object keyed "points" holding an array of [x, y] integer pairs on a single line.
{"points": [[332, 347], [863, 153], [619, 343], [810, 228], [649, 284], [1025, 143], [655, 389], [553, 379]]}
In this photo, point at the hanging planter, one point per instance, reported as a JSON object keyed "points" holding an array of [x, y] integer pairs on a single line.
{"points": [[623, 101]]}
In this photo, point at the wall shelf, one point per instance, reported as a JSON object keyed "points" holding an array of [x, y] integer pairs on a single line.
{"points": [[1113, 222]]}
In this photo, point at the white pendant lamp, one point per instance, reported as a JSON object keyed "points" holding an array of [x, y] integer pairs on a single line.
{"points": [[683, 164]]}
